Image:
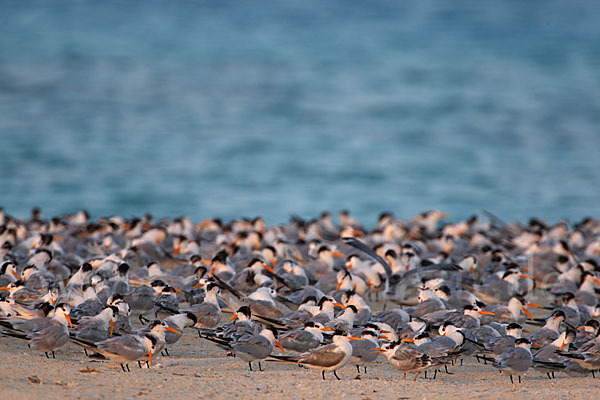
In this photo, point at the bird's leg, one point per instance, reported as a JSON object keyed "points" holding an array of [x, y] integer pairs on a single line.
{"points": [[358, 369], [416, 376], [162, 353], [448, 372], [122, 367], [519, 378], [127, 365], [461, 362], [323, 373], [425, 374], [47, 356], [384, 305], [553, 377], [593, 375], [140, 364], [548, 375], [511, 380], [365, 368], [85, 351], [53, 356], [338, 378], [167, 352], [477, 358], [452, 361], [259, 367], [147, 365], [435, 374], [250, 365]]}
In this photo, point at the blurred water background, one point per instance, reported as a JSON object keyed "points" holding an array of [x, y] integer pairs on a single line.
{"points": [[273, 108]]}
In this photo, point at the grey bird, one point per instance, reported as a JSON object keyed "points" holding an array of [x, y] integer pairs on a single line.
{"points": [[516, 360], [46, 334], [327, 358]]}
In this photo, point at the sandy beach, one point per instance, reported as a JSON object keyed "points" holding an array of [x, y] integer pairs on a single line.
{"points": [[198, 369]]}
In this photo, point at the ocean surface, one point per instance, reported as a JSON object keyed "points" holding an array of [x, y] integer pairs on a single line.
{"points": [[274, 108]]}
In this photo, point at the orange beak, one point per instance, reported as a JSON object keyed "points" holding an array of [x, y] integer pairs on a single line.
{"points": [[525, 276], [177, 290], [596, 281], [69, 319], [526, 311], [279, 345], [271, 270], [274, 262], [16, 275], [483, 312], [150, 359], [526, 330], [176, 251], [534, 305], [349, 266], [168, 328], [384, 331], [339, 305], [4, 288], [327, 329], [563, 345], [472, 269], [338, 254], [212, 272], [197, 285], [234, 316], [338, 285], [536, 345], [581, 327], [377, 350], [355, 338], [381, 337], [112, 328], [413, 340]]}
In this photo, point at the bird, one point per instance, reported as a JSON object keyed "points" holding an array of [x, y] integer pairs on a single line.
{"points": [[407, 357], [44, 334], [302, 339], [515, 360], [130, 347], [207, 313], [362, 350], [251, 347], [327, 358]]}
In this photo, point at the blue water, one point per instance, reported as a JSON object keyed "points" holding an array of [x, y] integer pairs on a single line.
{"points": [[273, 108]]}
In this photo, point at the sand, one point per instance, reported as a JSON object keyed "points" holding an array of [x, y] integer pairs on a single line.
{"points": [[198, 369]]}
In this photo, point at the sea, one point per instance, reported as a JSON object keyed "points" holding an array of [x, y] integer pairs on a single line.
{"points": [[276, 108]]}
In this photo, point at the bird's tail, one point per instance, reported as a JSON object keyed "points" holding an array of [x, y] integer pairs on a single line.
{"points": [[549, 364], [570, 355], [282, 359]]}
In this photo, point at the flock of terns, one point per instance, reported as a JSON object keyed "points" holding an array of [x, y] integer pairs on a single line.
{"points": [[299, 293]]}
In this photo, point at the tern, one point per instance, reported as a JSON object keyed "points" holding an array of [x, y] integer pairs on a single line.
{"points": [[130, 347], [328, 358], [45, 334], [253, 347]]}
